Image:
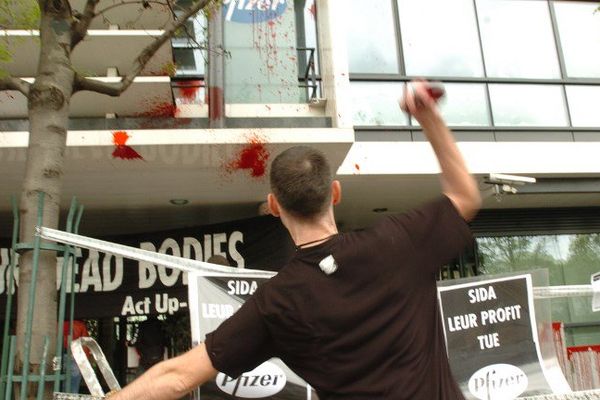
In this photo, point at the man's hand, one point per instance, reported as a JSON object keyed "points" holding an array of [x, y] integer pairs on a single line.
{"points": [[171, 379], [419, 99], [460, 187]]}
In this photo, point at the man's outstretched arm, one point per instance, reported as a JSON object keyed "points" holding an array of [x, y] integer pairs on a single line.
{"points": [[171, 379], [457, 182]]}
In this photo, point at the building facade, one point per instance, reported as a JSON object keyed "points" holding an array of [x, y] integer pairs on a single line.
{"points": [[224, 97]]}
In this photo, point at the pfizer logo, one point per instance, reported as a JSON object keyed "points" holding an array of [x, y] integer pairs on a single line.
{"points": [[253, 11], [498, 382], [263, 381]]}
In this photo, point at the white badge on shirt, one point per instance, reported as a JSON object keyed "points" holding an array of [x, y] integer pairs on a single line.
{"points": [[328, 265]]}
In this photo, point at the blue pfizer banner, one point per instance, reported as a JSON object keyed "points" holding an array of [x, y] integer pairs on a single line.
{"points": [[253, 11]]}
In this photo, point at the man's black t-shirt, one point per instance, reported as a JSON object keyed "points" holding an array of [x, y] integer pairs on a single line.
{"points": [[371, 330]]}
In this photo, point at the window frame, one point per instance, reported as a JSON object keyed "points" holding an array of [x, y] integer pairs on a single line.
{"points": [[401, 76]]}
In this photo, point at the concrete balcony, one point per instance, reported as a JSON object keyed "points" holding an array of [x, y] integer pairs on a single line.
{"points": [[127, 16], [204, 166], [146, 97], [102, 49]]}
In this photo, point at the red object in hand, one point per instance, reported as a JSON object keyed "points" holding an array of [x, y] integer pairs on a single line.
{"points": [[122, 150], [435, 90]]}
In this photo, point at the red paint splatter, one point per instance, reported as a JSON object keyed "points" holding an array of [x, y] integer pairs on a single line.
{"points": [[189, 89], [253, 157], [313, 10], [120, 138], [215, 103], [122, 150], [160, 110], [189, 93]]}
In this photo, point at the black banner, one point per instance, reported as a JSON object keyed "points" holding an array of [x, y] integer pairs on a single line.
{"points": [[108, 286]]}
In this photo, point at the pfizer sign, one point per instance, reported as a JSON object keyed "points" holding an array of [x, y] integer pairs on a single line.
{"points": [[498, 382], [253, 11], [263, 381]]}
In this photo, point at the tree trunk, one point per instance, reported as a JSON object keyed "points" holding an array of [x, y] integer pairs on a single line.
{"points": [[48, 105]]}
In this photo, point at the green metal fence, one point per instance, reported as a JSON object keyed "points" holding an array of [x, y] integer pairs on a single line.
{"points": [[9, 378]]}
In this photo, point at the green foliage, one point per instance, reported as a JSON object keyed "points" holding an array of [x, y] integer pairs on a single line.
{"points": [[19, 14], [211, 7], [16, 14], [177, 332], [519, 253]]}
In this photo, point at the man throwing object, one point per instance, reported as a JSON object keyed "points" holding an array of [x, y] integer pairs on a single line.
{"points": [[354, 314]]}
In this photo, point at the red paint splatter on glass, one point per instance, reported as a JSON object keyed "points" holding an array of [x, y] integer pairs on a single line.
{"points": [[122, 150], [189, 93], [189, 90], [313, 10], [252, 157]]}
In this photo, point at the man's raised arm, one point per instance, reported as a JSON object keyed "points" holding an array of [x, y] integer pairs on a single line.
{"points": [[171, 379], [457, 182]]}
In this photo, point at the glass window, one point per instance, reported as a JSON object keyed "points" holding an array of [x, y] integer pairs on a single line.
{"points": [[439, 38], [262, 60], [570, 260], [309, 22], [579, 30], [189, 59], [372, 46], [465, 105], [528, 105], [377, 104], [583, 105], [517, 37]]}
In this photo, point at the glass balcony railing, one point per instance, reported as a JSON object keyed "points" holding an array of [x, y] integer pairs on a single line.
{"points": [[270, 53]]}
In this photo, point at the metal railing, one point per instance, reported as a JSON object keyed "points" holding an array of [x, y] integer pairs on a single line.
{"points": [[308, 77], [8, 377]]}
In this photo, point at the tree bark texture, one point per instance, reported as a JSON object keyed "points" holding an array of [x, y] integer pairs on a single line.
{"points": [[48, 104]]}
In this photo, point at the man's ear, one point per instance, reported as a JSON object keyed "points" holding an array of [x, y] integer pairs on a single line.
{"points": [[336, 192], [273, 205]]}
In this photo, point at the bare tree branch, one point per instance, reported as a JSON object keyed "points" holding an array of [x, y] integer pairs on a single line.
{"points": [[143, 3], [10, 83], [80, 27], [141, 60], [93, 85], [190, 35]]}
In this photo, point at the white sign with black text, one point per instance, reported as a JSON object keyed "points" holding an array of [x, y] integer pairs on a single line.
{"points": [[211, 301], [491, 338]]}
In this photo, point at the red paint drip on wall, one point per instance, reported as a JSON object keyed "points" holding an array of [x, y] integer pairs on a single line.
{"points": [[252, 157], [122, 150], [160, 110], [215, 102]]}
